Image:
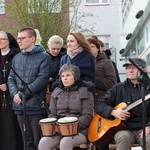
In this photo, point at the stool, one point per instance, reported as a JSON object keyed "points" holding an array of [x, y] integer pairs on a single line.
{"points": [[113, 146], [48, 94]]}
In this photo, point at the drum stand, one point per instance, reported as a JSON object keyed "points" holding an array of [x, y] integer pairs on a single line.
{"points": [[43, 105]]}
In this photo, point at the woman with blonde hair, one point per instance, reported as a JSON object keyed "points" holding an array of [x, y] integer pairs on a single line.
{"points": [[55, 44], [79, 53], [56, 52]]}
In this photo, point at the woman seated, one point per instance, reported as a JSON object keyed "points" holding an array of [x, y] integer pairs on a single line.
{"points": [[70, 99]]}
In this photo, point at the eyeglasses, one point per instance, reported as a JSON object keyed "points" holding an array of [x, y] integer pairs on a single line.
{"points": [[22, 38], [3, 39]]}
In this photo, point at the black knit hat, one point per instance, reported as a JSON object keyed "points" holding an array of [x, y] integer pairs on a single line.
{"points": [[137, 61]]}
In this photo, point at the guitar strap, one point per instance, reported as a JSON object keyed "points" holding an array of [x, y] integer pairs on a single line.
{"points": [[129, 97]]}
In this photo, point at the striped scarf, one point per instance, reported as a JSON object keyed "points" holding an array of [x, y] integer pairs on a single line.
{"points": [[73, 53]]}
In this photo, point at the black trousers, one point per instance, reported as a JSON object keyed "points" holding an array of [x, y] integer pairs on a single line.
{"points": [[106, 147], [33, 130]]}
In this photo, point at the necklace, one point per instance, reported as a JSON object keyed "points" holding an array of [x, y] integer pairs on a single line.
{"points": [[4, 65], [4, 101]]}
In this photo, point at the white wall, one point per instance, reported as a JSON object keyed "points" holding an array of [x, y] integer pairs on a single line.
{"points": [[106, 20]]}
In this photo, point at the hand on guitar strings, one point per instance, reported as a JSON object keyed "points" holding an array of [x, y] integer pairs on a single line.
{"points": [[120, 114]]}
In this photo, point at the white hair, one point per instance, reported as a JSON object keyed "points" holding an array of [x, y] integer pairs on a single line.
{"points": [[3, 32], [56, 39]]}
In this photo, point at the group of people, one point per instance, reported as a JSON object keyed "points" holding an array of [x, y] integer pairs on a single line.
{"points": [[83, 81]]}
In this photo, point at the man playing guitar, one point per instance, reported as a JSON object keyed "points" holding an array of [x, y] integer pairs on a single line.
{"points": [[128, 92]]}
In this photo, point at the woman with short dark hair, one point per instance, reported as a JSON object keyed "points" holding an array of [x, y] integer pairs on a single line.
{"points": [[71, 98]]}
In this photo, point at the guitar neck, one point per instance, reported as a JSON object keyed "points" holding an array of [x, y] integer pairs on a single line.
{"points": [[138, 102]]}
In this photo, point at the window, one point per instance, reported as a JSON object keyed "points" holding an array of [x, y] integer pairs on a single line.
{"points": [[2, 6], [41, 6], [148, 62], [97, 1], [105, 40]]}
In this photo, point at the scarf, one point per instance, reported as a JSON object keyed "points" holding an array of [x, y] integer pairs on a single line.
{"points": [[73, 53]]}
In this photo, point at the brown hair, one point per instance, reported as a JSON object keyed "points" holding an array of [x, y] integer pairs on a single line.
{"points": [[93, 41], [30, 31], [81, 41], [96, 38], [101, 43]]}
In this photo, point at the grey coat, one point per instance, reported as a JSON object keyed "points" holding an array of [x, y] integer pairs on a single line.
{"points": [[77, 103]]}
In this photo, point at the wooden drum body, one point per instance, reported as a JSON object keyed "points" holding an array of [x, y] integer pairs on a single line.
{"points": [[48, 126], [67, 126]]}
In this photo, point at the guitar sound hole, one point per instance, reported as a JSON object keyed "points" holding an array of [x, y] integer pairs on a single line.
{"points": [[112, 118]]}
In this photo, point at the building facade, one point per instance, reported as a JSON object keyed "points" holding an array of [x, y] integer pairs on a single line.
{"points": [[113, 20], [105, 23], [137, 22]]}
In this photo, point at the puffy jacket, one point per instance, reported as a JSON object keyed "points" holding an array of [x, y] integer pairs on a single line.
{"points": [[33, 68], [75, 102], [128, 93]]}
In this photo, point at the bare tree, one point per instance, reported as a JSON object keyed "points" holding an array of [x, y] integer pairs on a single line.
{"points": [[50, 17]]}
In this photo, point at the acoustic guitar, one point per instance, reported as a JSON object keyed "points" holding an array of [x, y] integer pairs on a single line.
{"points": [[101, 130]]}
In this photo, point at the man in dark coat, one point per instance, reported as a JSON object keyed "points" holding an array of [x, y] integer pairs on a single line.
{"points": [[128, 92], [33, 67]]}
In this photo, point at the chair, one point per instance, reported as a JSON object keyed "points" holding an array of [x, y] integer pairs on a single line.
{"points": [[48, 94], [113, 146]]}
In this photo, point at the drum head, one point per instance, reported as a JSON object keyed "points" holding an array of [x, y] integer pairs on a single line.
{"points": [[67, 120], [47, 120]]}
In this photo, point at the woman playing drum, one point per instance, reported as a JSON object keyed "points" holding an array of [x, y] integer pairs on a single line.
{"points": [[70, 99]]}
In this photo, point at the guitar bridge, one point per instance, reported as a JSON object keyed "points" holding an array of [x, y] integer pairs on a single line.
{"points": [[99, 125]]}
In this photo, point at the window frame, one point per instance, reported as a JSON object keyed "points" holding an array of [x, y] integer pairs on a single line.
{"points": [[99, 3], [2, 7]]}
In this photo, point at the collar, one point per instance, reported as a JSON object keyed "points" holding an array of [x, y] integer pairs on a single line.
{"points": [[5, 53]]}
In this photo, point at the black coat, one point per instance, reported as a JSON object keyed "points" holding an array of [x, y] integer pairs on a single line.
{"points": [[55, 65], [11, 136], [128, 93], [8, 58]]}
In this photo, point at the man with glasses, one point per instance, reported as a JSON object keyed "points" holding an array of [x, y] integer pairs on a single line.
{"points": [[33, 66]]}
